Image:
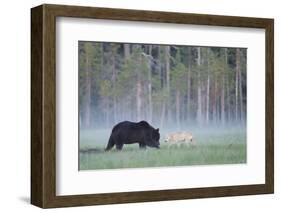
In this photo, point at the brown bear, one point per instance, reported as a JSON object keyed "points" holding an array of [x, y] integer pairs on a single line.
{"points": [[128, 132]]}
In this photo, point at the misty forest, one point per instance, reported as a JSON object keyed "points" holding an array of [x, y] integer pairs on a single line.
{"points": [[171, 87], [167, 85]]}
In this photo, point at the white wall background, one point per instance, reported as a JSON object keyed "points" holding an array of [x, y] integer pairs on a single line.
{"points": [[15, 105]]}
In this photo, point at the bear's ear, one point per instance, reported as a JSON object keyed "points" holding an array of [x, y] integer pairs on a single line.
{"points": [[157, 129]]}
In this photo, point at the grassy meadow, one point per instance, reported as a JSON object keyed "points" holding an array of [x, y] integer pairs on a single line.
{"points": [[212, 147]]}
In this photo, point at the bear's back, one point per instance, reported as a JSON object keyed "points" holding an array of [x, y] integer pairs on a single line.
{"points": [[143, 124]]}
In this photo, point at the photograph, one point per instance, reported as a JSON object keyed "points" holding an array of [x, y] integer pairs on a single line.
{"points": [[161, 105], [184, 100]]}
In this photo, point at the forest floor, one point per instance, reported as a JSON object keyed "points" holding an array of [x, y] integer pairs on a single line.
{"points": [[212, 147]]}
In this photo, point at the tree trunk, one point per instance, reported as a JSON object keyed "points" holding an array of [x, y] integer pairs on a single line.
{"points": [[138, 89], [240, 91], [162, 85], [229, 119], [178, 108], [188, 98], [236, 82], [223, 89], [199, 95], [88, 94], [222, 102], [107, 112], [138, 99], [127, 51], [228, 106], [159, 68], [114, 75], [215, 102], [163, 111], [208, 89], [128, 100], [150, 107], [167, 69]]}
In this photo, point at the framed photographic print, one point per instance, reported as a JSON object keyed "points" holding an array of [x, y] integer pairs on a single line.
{"points": [[136, 106]]}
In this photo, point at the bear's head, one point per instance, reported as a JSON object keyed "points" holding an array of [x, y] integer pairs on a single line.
{"points": [[155, 139]]}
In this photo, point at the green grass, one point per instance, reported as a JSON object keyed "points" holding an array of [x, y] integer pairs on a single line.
{"points": [[213, 147]]}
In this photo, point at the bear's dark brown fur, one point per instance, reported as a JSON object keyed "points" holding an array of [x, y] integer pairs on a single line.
{"points": [[128, 132]]}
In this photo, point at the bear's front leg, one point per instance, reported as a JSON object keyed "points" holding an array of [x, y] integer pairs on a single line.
{"points": [[119, 146], [142, 146]]}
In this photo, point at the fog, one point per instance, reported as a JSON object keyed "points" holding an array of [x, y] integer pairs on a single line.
{"points": [[174, 88]]}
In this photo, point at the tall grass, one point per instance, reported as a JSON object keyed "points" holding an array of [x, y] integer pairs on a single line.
{"points": [[214, 147]]}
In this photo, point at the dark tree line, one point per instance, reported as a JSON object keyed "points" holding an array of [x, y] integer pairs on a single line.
{"points": [[167, 85]]}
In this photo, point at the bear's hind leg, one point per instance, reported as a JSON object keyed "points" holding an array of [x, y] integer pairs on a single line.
{"points": [[110, 144]]}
